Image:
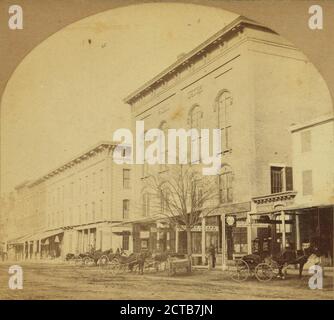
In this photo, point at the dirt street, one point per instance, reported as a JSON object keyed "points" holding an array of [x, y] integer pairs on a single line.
{"points": [[61, 281]]}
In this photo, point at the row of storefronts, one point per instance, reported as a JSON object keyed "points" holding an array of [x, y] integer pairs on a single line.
{"points": [[245, 232]]}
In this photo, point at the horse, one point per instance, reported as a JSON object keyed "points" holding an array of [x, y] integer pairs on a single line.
{"points": [[294, 257], [138, 259]]}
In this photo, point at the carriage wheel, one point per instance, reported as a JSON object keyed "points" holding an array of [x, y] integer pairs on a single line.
{"points": [[241, 271], [78, 261], [88, 261], [114, 266], [103, 261], [264, 272]]}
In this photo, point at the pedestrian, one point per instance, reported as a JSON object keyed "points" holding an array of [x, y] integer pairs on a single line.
{"points": [[212, 252]]}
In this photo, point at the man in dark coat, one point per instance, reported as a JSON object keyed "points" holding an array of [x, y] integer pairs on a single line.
{"points": [[212, 252]]}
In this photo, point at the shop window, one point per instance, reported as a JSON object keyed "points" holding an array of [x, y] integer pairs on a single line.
{"points": [[196, 242], [239, 239], [125, 242]]}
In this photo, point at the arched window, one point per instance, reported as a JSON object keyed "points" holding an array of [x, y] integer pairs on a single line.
{"points": [[225, 183], [164, 197], [195, 117], [224, 102]]}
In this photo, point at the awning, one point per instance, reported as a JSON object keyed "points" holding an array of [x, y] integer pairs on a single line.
{"points": [[294, 208], [46, 234], [121, 229], [21, 239]]}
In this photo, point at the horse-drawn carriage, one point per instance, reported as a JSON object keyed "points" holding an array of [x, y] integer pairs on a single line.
{"points": [[120, 262], [265, 268]]}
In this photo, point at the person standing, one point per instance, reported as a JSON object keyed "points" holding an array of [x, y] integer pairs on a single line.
{"points": [[212, 252]]}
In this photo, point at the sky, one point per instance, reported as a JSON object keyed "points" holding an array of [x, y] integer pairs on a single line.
{"points": [[67, 94]]}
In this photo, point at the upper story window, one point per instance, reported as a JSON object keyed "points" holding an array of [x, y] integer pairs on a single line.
{"points": [[307, 182], [281, 179], [126, 178], [305, 141], [195, 117], [146, 204], [224, 104], [225, 183], [164, 128], [126, 208]]}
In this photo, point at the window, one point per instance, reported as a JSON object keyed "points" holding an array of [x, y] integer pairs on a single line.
{"points": [[93, 181], [125, 242], [146, 204], [281, 179], [195, 117], [307, 182], [164, 196], [226, 185], [239, 239], [126, 178], [126, 208], [101, 209], [101, 178], [86, 213], [305, 141], [93, 211], [164, 156], [224, 103], [276, 174]]}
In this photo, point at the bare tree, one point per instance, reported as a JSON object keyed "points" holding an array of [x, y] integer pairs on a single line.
{"points": [[184, 197]]}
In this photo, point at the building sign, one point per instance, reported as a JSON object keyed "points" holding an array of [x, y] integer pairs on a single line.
{"points": [[230, 220], [211, 228], [144, 234]]}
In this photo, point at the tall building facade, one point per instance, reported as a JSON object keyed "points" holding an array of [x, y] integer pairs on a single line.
{"points": [[73, 209], [252, 85]]}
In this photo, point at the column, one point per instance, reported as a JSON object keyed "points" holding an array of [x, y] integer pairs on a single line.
{"points": [[224, 266], [40, 248], [298, 244], [249, 233], [28, 243], [24, 250], [176, 240], [203, 241], [283, 230]]}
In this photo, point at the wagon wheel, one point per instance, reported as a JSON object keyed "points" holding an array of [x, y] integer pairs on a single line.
{"points": [[241, 271], [114, 266], [264, 272], [103, 261], [78, 261], [88, 261]]}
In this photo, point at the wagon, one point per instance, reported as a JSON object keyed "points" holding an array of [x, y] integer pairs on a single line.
{"points": [[263, 269], [174, 264]]}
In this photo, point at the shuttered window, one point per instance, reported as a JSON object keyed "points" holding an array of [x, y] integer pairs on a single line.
{"points": [[276, 174]]}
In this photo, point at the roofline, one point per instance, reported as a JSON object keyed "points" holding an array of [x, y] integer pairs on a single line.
{"points": [[312, 123], [72, 160], [229, 27]]}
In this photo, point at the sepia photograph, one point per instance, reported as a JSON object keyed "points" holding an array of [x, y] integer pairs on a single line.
{"points": [[167, 150]]}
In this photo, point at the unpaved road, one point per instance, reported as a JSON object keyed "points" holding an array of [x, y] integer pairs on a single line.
{"points": [[60, 281]]}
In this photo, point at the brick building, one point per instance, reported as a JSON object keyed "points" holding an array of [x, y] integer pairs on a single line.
{"points": [[252, 84]]}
